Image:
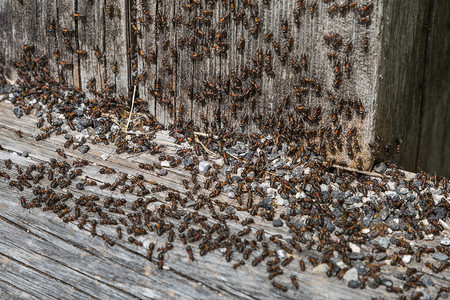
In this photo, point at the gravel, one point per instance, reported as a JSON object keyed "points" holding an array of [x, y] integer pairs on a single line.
{"points": [[380, 168], [18, 111], [351, 274], [382, 242], [162, 172], [277, 223], [84, 149], [445, 241], [354, 284], [188, 161], [204, 166], [440, 256]]}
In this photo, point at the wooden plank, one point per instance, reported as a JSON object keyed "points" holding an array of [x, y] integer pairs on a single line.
{"points": [[166, 63], [184, 68], [18, 21], [435, 139], [399, 102], [48, 28], [146, 52], [116, 47], [65, 35], [123, 269], [91, 28]]}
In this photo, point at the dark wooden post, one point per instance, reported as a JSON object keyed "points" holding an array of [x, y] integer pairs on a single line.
{"points": [[342, 72]]}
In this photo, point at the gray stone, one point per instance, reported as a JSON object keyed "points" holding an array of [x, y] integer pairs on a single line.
{"points": [[114, 128], [297, 172], [25, 154], [440, 213], [348, 194], [277, 223], [354, 284], [249, 155], [387, 282], [337, 194], [380, 256], [403, 191], [427, 281], [273, 156], [204, 166], [254, 186], [356, 255], [392, 195], [239, 148], [382, 242], [79, 127], [99, 130], [162, 172], [58, 122], [440, 256], [366, 221], [329, 225], [394, 226], [445, 241], [188, 161], [84, 149], [280, 173], [18, 111], [380, 168], [266, 203], [410, 197], [230, 210], [324, 188], [384, 214], [373, 284], [231, 195], [361, 269]]}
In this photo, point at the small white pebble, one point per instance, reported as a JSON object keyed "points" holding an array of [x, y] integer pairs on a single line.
{"points": [[165, 163], [355, 248], [425, 222], [445, 241], [365, 230], [281, 254], [271, 191], [320, 269], [445, 225], [279, 201], [406, 259], [429, 237], [105, 156]]}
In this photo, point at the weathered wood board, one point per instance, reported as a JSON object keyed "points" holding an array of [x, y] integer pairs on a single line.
{"points": [[43, 257], [328, 67], [60, 259]]}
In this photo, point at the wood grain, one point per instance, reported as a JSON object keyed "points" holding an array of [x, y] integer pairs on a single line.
{"points": [[55, 259], [394, 78]]}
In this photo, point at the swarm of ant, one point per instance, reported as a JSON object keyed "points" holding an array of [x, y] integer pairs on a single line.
{"points": [[331, 217]]}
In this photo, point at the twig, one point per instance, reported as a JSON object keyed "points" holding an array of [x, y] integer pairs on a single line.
{"points": [[206, 135], [359, 171], [132, 107], [204, 147]]}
